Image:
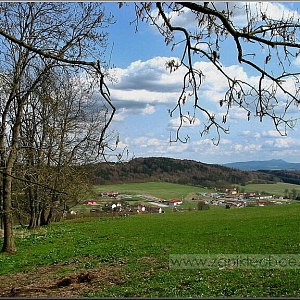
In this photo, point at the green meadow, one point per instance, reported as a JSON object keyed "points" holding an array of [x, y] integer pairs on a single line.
{"points": [[275, 189], [166, 190], [162, 190], [138, 249]]}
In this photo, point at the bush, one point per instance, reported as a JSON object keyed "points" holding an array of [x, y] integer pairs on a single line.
{"points": [[202, 205]]}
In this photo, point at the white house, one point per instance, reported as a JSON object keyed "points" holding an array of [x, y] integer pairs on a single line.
{"points": [[175, 202]]}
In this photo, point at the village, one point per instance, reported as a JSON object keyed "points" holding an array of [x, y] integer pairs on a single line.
{"points": [[233, 199], [124, 205]]}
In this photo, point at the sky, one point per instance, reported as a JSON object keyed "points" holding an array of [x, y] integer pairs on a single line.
{"points": [[143, 91]]}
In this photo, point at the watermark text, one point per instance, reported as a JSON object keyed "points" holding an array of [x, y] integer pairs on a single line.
{"points": [[234, 261]]}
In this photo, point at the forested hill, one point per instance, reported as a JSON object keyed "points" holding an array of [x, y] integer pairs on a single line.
{"points": [[175, 171]]}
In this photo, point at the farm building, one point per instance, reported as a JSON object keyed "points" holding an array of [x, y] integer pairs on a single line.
{"points": [[90, 202], [110, 194], [175, 202]]}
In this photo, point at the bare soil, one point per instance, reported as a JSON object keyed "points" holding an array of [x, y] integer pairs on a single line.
{"points": [[59, 281]]}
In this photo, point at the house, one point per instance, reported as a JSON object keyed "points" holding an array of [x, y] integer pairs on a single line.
{"points": [[90, 202], [110, 194], [175, 202]]}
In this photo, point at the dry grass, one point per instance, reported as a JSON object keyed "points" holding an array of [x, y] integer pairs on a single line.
{"points": [[47, 281]]}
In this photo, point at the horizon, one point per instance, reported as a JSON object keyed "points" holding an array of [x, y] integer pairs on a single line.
{"points": [[265, 160]]}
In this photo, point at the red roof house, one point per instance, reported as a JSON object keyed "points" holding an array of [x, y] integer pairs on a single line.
{"points": [[175, 202], [90, 202]]}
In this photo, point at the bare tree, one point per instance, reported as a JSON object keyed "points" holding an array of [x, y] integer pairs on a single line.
{"points": [[60, 132], [35, 39], [203, 31]]}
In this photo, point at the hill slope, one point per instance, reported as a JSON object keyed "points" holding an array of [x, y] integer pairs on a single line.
{"points": [[175, 171], [288, 176]]}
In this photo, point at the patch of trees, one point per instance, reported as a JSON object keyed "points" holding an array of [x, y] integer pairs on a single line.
{"points": [[287, 176], [54, 108]]}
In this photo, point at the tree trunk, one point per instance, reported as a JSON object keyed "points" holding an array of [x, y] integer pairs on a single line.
{"points": [[43, 217], [50, 215], [8, 242], [32, 222], [38, 215]]}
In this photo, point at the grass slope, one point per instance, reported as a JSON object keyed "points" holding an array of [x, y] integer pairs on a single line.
{"points": [[171, 190], [138, 248], [162, 190], [276, 189]]}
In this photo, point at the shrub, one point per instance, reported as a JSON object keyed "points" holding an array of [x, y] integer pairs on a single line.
{"points": [[202, 205]]}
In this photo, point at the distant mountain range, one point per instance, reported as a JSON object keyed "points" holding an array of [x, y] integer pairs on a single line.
{"points": [[270, 165]]}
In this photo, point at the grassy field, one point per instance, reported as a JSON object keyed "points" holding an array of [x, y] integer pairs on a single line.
{"points": [[166, 190], [276, 189], [133, 253], [162, 190]]}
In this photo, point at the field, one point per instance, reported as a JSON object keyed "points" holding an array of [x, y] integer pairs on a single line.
{"points": [[169, 190], [275, 189], [129, 257], [158, 189]]}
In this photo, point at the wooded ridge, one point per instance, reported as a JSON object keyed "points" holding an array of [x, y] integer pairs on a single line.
{"points": [[175, 171]]}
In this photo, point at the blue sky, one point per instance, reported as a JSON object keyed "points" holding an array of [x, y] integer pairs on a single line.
{"points": [[144, 91]]}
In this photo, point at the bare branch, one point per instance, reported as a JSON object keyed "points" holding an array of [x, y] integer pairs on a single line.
{"points": [[211, 28]]}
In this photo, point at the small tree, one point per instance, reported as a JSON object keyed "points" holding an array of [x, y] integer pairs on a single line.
{"points": [[294, 193], [202, 205], [286, 192]]}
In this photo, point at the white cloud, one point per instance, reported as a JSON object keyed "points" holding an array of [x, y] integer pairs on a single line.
{"points": [[251, 134], [155, 147], [238, 147], [123, 113], [251, 148], [148, 110], [120, 115], [273, 10], [186, 123], [277, 10], [147, 75], [145, 84], [284, 143], [296, 61], [270, 133]]}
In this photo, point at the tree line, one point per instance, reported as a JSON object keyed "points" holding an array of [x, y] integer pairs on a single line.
{"points": [[288, 176]]}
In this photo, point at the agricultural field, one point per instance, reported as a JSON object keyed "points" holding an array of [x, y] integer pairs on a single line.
{"points": [[130, 257], [161, 190], [274, 189]]}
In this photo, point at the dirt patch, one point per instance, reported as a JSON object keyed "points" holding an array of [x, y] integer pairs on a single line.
{"points": [[47, 281]]}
